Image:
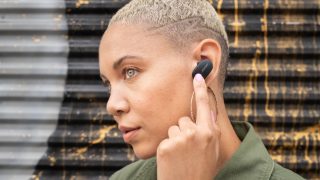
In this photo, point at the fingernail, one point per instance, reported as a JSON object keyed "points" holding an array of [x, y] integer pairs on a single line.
{"points": [[199, 77]]}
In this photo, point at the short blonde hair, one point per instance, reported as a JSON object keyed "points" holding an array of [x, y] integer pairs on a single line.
{"points": [[182, 21]]}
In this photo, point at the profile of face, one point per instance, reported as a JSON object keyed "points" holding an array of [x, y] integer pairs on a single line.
{"points": [[151, 84]]}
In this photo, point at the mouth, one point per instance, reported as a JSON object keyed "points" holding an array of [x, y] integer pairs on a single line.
{"points": [[129, 132]]}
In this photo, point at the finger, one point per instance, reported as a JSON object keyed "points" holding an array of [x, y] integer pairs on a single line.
{"points": [[173, 131], [202, 102], [163, 148], [186, 125]]}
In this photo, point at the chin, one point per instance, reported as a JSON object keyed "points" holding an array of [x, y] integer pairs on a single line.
{"points": [[144, 153]]}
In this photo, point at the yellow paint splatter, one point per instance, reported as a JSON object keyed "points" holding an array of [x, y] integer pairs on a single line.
{"points": [[52, 160], [293, 141], [82, 2], [250, 88], [81, 150], [37, 176], [302, 68], [277, 157], [264, 28], [99, 116], [102, 133], [306, 153], [219, 6], [313, 129], [236, 23], [296, 112]]}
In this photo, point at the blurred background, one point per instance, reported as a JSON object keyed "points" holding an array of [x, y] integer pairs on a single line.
{"points": [[53, 123]]}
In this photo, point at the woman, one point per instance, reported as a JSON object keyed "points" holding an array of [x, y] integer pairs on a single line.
{"points": [[146, 58]]}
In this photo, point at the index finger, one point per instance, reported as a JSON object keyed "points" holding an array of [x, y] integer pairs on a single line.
{"points": [[202, 102]]}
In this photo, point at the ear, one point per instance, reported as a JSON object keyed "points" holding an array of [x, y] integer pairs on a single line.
{"points": [[211, 50]]}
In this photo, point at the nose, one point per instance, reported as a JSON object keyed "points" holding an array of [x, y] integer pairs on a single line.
{"points": [[117, 103]]}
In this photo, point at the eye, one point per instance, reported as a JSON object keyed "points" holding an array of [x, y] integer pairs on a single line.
{"points": [[129, 72]]}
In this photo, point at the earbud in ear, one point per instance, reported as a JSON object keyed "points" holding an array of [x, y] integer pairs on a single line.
{"points": [[204, 67]]}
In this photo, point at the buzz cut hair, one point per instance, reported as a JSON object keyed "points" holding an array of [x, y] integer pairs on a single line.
{"points": [[183, 22]]}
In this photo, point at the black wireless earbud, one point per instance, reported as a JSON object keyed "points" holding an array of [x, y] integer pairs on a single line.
{"points": [[204, 68]]}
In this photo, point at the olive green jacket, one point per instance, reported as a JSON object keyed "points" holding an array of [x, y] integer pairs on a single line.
{"points": [[250, 162]]}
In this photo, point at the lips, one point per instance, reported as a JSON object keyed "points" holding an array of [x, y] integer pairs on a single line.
{"points": [[128, 132], [125, 129]]}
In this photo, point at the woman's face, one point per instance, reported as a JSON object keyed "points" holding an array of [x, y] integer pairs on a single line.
{"points": [[151, 84]]}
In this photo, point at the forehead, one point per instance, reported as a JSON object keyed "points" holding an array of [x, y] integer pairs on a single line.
{"points": [[118, 32], [122, 39]]}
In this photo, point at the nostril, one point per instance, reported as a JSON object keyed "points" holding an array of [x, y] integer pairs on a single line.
{"points": [[119, 112]]}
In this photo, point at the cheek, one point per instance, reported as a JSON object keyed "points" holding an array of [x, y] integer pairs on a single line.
{"points": [[158, 104], [165, 100]]}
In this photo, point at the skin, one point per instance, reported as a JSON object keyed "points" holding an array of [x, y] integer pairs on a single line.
{"points": [[153, 92]]}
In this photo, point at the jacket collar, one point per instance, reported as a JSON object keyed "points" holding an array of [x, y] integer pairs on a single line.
{"points": [[251, 160]]}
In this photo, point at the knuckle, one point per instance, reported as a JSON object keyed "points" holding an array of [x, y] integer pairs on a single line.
{"points": [[184, 120], [208, 135], [180, 140], [203, 98], [190, 133], [171, 128], [181, 120], [161, 152], [163, 148]]}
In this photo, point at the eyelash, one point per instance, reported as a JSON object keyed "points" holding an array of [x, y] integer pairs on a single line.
{"points": [[124, 71]]}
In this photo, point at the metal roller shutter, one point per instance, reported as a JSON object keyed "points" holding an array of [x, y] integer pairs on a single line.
{"points": [[33, 67], [50, 85]]}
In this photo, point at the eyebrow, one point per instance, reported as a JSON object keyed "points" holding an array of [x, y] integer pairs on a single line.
{"points": [[118, 63]]}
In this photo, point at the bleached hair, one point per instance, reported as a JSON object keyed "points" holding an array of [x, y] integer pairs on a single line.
{"points": [[182, 21]]}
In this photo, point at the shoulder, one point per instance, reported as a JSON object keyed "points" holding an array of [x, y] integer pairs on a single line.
{"points": [[281, 173], [141, 169]]}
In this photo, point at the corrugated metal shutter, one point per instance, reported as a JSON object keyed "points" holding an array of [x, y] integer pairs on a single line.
{"points": [[86, 143], [274, 75], [33, 68], [273, 82]]}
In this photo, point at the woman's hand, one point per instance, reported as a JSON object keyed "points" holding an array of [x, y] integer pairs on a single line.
{"points": [[191, 150]]}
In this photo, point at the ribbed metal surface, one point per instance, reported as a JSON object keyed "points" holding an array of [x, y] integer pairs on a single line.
{"points": [[86, 143], [273, 82], [33, 68]]}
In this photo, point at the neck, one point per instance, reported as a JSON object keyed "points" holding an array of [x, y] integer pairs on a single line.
{"points": [[229, 141]]}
